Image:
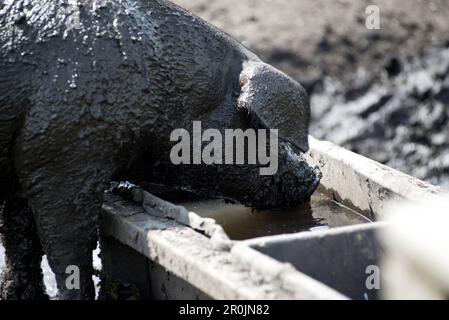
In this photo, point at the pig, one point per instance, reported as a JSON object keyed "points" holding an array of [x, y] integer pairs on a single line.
{"points": [[90, 89]]}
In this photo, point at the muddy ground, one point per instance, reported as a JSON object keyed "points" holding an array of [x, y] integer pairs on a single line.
{"points": [[382, 93]]}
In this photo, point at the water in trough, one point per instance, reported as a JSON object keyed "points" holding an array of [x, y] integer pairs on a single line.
{"points": [[242, 223]]}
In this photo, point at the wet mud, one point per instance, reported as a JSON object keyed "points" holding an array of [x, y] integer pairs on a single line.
{"points": [[400, 120]]}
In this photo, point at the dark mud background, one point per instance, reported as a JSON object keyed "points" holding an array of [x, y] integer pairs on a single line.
{"points": [[382, 93]]}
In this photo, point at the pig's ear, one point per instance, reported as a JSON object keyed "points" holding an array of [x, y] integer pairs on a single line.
{"points": [[274, 101]]}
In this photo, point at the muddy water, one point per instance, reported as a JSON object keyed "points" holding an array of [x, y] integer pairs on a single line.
{"points": [[241, 223]]}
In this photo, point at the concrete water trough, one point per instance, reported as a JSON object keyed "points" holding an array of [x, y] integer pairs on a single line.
{"points": [[163, 250], [340, 258]]}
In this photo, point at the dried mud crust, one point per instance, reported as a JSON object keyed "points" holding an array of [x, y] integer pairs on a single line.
{"points": [[382, 93]]}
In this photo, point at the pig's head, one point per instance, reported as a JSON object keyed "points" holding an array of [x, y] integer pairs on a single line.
{"points": [[268, 99], [272, 100]]}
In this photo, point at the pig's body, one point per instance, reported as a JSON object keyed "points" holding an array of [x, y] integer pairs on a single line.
{"points": [[80, 101]]}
